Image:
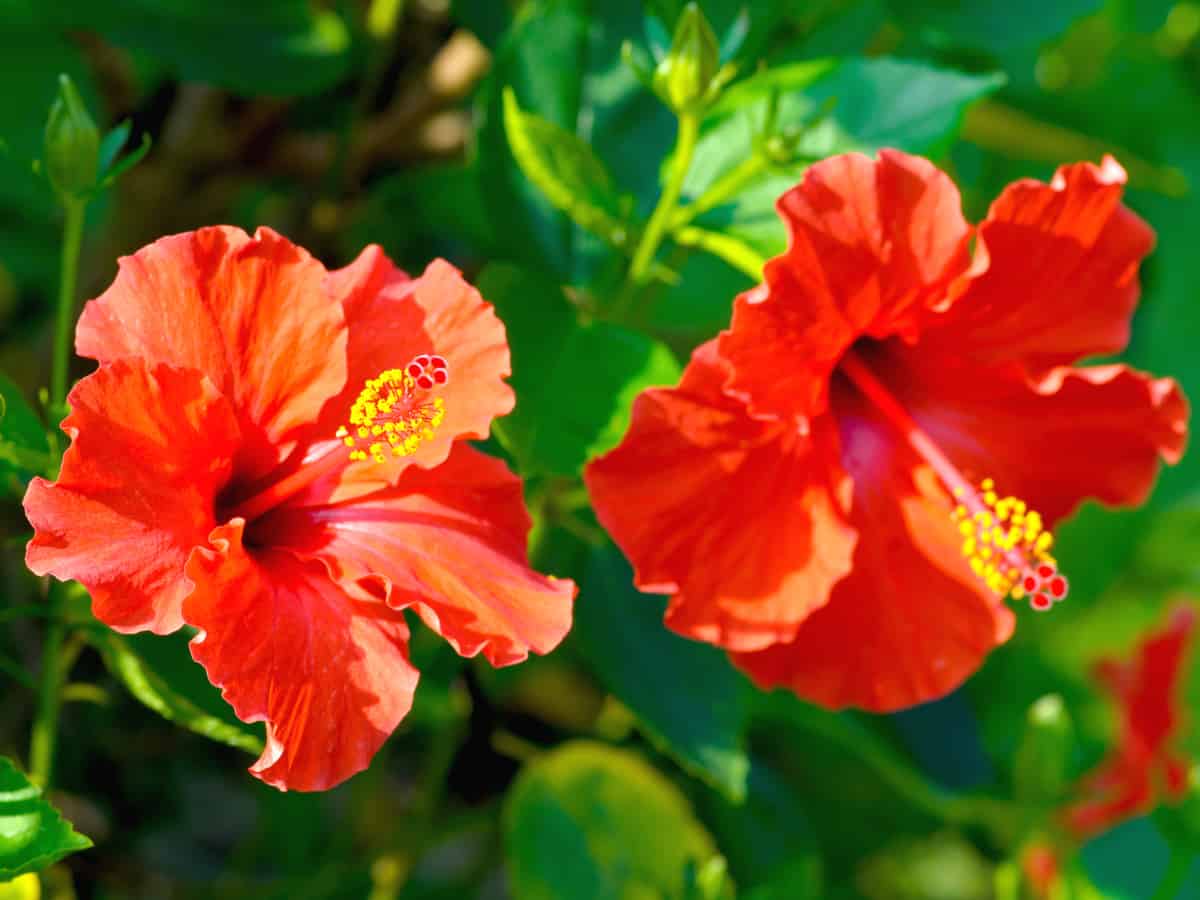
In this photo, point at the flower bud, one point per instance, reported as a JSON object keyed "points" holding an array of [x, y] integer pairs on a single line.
{"points": [[1040, 768], [684, 76], [72, 143]]}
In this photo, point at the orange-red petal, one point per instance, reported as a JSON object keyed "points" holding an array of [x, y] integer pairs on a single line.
{"points": [[152, 446], [1056, 278], [324, 665], [251, 313], [437, 313], [910, 622], [448, 541], [874, 245], [1141, 768], [740, 519], [1074, 433]]}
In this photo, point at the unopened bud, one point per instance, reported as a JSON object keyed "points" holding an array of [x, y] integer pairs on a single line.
{"points": [[1042, 762], [72, 143], [684, 76]]}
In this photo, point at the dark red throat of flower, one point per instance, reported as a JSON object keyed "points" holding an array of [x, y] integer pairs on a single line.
{"points": [[1004, 541], [395, 413]]}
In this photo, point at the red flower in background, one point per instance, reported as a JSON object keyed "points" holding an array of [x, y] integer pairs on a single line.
{"points": [[817, 494], [209, 482], [1143, 767]]}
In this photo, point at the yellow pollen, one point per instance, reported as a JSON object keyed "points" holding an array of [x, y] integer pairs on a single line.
{"points": [[1006, 531], [396, 412]]}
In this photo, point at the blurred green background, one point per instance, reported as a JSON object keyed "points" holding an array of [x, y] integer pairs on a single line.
{"points": [[629, 763]]}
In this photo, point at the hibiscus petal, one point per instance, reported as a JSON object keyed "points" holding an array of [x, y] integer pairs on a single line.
{"points": [[910, 622], [874, 244], [448, 541], [324, 665], [438, 313], [151, 448], [252, 314], [740, 519], [1057, 273], [1075, 433]]}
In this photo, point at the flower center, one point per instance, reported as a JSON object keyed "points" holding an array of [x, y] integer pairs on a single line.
{"points": [[396, 411], [1005, 542]]}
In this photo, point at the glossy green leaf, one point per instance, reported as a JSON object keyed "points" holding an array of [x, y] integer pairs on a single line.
{"points": [[589, 820], [685, 694], [767, 838], [566, 171], [825, 107], [24, 450], [574, 382], [33, 834], [177, 702]]}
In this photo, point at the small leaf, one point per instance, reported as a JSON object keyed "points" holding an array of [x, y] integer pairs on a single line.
{"points": [[588, 820], [824, 107], [153, 690], [574, 383], [685, 694], [112, 144], [24, 450], [127, 163], [566, 171], [33, 834]]}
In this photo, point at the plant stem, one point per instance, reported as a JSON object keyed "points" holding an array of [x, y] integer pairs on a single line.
{"points": [[737, 253], [45, 723], [65, 320], [724, 188], [656, 228], [1179, 866]]}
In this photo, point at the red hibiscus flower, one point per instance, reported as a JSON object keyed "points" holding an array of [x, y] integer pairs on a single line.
{"points": [[821, 494], [1142, 768], [271, 453]]}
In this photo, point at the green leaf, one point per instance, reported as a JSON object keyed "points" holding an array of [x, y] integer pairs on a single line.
{"points": [[767, 838], [588, 820], [833, 107], [23, 441], [574, 382], [685, 694], [277, 47], [174, 699], [566, 171], [33, 834]]}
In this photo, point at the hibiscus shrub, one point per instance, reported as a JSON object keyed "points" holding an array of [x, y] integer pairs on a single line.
{"points": [[567, 449]]}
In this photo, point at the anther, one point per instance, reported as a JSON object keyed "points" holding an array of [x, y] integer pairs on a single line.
{"points": [[395, 412], [1007, 546]]}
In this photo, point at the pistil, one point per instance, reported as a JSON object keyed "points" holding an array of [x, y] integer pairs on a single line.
{"points": [[1004, 540], [395, 411]]}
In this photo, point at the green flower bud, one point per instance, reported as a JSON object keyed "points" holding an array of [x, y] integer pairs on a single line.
{"points": [[684, 76], [72, 143], [1042, 762]]}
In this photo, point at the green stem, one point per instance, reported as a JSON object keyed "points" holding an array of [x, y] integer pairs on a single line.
{"points": [[656, 228], [49, 701], [45, 723], [1179, 866], [724, 188], [737, 253], [65, 324]]}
